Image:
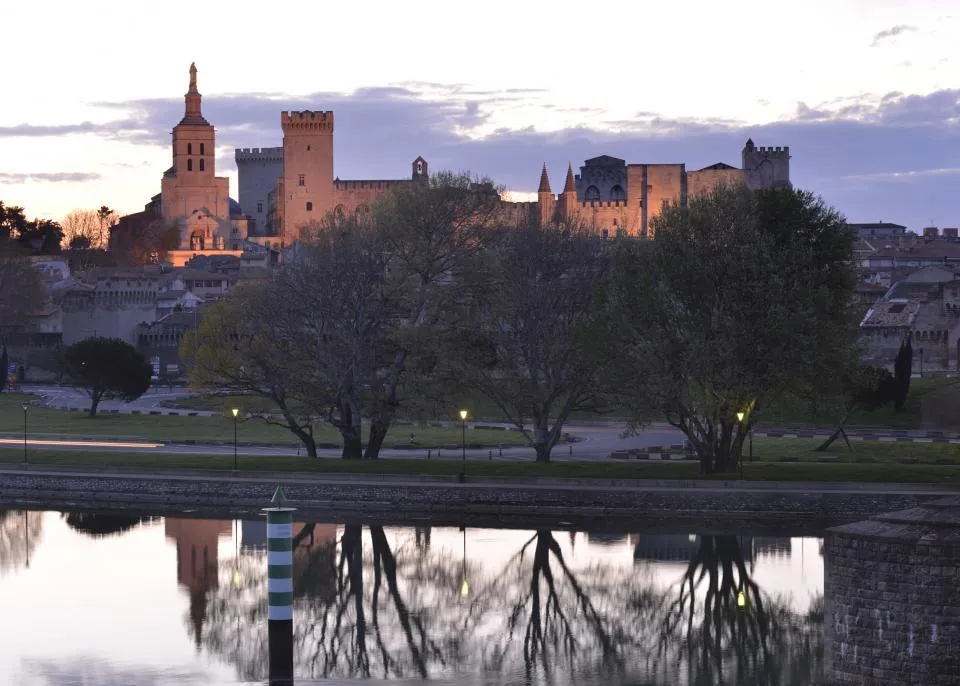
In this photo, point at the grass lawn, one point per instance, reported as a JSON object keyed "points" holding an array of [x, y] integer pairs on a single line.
{"points": [[760, 471], [46, 421], [773, 449]]}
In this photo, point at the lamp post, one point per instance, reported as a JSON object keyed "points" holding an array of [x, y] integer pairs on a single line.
{"points": [[740, 416], [235, 412], [24, 406], [463, 445]]}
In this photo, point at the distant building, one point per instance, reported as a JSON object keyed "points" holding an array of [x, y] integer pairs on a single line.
{"points": [[879, 230]]}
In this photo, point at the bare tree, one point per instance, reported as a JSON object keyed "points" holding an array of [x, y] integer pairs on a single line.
{"points": [[527, 343], [20, 532]]}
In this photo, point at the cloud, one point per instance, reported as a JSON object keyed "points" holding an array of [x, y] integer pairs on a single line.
{"points": [[49, 177], [891, 33], [850, 150]]}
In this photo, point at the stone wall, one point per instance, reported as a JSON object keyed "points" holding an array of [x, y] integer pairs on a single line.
{"points": [[892, 598]]}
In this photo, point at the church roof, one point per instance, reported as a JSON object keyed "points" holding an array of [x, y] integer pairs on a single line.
{"points": [[604, 161], [544, 181], [569, 186]]}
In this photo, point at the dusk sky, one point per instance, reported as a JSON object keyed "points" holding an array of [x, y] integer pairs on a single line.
{"points": [[865, 92]]}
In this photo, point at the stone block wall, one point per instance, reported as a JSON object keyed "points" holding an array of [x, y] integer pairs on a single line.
{"points": [[892, 598]]}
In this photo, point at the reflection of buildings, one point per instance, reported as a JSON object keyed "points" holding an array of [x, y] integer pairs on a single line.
{"points": [[684, 547], [314, 554], [196, 541], [606, 538], [770, 545]]}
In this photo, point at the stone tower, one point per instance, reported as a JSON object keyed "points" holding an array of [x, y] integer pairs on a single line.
{"points": [[420, 171], [193, 198], [766, 167], [307, 182], [568, 198]]}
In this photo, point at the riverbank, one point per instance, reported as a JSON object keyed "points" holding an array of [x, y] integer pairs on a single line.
{"points": [[482, 501]]}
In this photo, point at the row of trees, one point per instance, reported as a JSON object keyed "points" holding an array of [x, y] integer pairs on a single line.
{"points": [[436, 296]]}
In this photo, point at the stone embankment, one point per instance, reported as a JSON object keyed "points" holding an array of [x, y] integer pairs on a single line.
{"points": [[480, 501]]}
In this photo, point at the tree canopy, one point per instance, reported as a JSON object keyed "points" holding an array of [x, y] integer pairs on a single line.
{"points": [[107, 368], [743, 296]]}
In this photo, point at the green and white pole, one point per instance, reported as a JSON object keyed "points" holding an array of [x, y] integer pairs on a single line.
{"points": [[280, 590]]}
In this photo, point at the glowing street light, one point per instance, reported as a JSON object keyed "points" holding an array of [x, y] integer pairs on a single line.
{"points": [[741, 599], [235, 412], [465, 586]]}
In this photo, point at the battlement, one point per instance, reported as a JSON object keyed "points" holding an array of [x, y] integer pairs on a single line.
{"points": [[777, 151], [307, 120], [602, 203], [258, 154], [380, 185]]}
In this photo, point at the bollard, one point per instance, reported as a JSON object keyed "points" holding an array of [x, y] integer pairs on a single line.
{"points": [[428, 453], [489, 454], [571, 451], [280, 590], [501, 451]]}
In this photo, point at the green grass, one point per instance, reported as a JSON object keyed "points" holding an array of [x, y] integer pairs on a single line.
{"points": [[773, 449], [46, 421], [761, 471]]}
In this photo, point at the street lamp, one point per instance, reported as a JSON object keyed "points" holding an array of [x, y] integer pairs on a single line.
{"points": [[24, 406], [235, 412], [463, 445]]}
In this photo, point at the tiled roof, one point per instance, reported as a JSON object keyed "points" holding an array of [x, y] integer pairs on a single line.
{"points": [[899, 312]]}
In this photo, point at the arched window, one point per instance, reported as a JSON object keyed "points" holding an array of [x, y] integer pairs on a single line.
{"points": [[309, 206], [617, 193], [592, 193], [189, 148], [201, 164], [201, 148], [189, 165]]}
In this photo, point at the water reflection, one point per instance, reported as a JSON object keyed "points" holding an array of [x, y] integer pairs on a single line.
{"points": [[422, 603], [19, 534]]}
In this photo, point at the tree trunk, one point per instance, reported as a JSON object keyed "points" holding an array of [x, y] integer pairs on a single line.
{"points": [[541, 439], [352, 446], [94, 403], [351, 429], [378, 433]]}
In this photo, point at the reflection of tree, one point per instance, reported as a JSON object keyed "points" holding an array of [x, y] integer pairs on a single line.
{"points": [[734, 630], [103, 524], [395, 611], [19, 534]]}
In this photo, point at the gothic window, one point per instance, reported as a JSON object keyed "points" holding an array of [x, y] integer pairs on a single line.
{"points": [[617, 193], [189, 148], [302, 180], [419, 167], [201, 148], [201, 163], [309, 206], [189, 165], [592, 193]]}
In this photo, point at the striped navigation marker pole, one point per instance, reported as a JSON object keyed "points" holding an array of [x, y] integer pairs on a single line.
{"points": [[280, 589]]}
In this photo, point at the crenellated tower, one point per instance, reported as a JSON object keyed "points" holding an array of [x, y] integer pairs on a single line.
{"points": [[765, 167], [307, 184]]}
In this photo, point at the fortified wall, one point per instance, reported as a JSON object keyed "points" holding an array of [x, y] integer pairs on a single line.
{"points": [[892, 598]]}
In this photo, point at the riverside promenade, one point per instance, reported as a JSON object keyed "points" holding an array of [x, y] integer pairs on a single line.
{"points": [[483, 501]]}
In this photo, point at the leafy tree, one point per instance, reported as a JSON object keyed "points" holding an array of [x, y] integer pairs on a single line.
{"points": [[863, 388], [902, 371], [743, 297], [21, 292], [142, 238], [526, 343], [106, 368], [236, 348]]}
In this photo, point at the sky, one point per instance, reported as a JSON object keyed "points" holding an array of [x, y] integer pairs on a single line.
{"points": [[865, 92]]}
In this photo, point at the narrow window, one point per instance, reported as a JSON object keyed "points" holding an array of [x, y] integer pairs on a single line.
{"points": [[189, 148], [189, 165], [201, 163], [309, 206], [201, 148], [302, 180], [259, 208]]}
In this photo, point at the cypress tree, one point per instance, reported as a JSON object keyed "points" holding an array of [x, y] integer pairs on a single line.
{"points": [[902, 370]]}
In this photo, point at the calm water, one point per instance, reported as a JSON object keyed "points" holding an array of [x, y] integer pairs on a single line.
{"points": [[93, 599]]}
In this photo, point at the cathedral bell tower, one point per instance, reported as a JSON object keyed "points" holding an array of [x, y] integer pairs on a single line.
{"points": [[194, 140]]}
